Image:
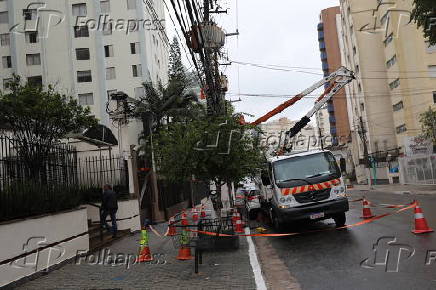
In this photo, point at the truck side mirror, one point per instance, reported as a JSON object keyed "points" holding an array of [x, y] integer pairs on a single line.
{"points": [[265, 179]]}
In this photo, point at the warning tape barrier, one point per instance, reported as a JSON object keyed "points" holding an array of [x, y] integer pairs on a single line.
{"points": [[364, 222]]}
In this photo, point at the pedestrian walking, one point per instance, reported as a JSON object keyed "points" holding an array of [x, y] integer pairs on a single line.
{"points": [[109, 206]]}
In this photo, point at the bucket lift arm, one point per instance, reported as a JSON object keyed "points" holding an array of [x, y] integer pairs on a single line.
{"points": [[339, 79]]}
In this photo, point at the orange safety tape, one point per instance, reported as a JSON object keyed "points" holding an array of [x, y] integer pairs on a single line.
{"points": [[364, 222]]}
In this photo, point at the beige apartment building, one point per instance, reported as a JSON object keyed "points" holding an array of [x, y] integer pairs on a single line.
{"points": [[396, 76]]}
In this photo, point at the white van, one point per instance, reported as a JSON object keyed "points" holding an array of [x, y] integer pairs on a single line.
{"points": [[305, 186]]}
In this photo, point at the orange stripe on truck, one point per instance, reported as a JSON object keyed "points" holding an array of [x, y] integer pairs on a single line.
{"points": [[305, 188]]}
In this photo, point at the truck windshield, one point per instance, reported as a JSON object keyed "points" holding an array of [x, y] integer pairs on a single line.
{"points": [[306, 167]]}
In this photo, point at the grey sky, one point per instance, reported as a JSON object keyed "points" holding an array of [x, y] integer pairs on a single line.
{"points": [[279, 32]]}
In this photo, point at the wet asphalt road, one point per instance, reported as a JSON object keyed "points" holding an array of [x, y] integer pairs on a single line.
{"points": [[332, 259]]}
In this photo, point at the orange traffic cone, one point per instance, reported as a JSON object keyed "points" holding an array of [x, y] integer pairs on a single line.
{"points": [[144, 250], [421, 226], [239, 228], [171, 228], [234, 217], [184, 219], [185, 250], [184, 254], [366, 210], [194, 215]]}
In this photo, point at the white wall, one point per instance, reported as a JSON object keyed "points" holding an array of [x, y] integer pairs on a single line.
{"points": [[127, 215], [22, 236]]}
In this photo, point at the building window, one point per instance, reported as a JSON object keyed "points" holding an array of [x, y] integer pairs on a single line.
{"points": [[33, 59], [434, 97], [108, 50], [109, 93], [107, 29], [392, 61], [7, 62], [4, 39], [401, 129], [389, 39], [81, 31], [139, 92], [394, 84], [357, 69], [6, 83], [84, 76], [82, 54], [134, 48], [430, 48], [384, 18], [131, 4], [30, 14], [31, 37], [137, 70], [79, 9], [86, 99], [110, 73], [398, 106], [362, 107], [4, 17], [105, 6], [432, 71], [35, 81]]}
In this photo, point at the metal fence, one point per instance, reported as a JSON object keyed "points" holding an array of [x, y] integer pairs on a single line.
{"points": [[37, 179], [418, 170]]}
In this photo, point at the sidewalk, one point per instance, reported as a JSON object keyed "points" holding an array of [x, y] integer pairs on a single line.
{"points": [[220, 270], [398, 189]]}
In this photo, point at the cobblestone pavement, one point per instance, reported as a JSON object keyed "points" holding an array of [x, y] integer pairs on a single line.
{"points": [[222, 270]]}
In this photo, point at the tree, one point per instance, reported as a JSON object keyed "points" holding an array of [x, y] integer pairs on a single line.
{"points": [[39, 117], [220, 150], [428, 124], [424, 14]]}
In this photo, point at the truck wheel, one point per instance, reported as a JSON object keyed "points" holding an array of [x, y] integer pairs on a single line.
{"points": [[340, 219]]}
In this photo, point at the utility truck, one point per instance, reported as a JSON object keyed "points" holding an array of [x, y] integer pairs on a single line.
{"points": [[305, 185]]}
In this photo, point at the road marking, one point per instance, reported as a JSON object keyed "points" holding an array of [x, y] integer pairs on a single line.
{"points": [[257, 271]]}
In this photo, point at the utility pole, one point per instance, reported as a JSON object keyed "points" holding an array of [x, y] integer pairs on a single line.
{"points": [[362, 134]]}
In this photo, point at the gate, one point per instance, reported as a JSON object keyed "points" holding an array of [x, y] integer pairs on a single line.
{"points": [[418, 169]]}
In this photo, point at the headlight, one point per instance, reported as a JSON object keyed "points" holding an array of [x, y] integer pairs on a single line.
{"points": [[284, 206], [282, 200], [290, 198]]}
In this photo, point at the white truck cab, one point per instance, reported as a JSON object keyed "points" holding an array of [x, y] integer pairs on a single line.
{"points": [[306, 186]]}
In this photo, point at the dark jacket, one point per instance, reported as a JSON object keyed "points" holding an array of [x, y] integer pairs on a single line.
{"points": [[109, 201]]}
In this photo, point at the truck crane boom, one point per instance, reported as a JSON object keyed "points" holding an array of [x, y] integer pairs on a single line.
{"points": [[339, 78]]}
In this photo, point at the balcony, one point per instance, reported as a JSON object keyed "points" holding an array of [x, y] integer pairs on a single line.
{"points": [[320, 35], [322, 45], [333, 131], [330, 108], [325, 66], [326, 85], [332, 119], [323, 55], [320, 26]]}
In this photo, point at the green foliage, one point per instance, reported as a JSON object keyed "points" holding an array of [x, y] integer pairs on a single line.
{"points": [[41, 115], [219, 149], [428, 124], [424, 14]]}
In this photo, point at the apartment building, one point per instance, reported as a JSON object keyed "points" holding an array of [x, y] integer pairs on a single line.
{"points": [[411, 67], [368, 97], [323, 122], [86, 48], [331, 61]]}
